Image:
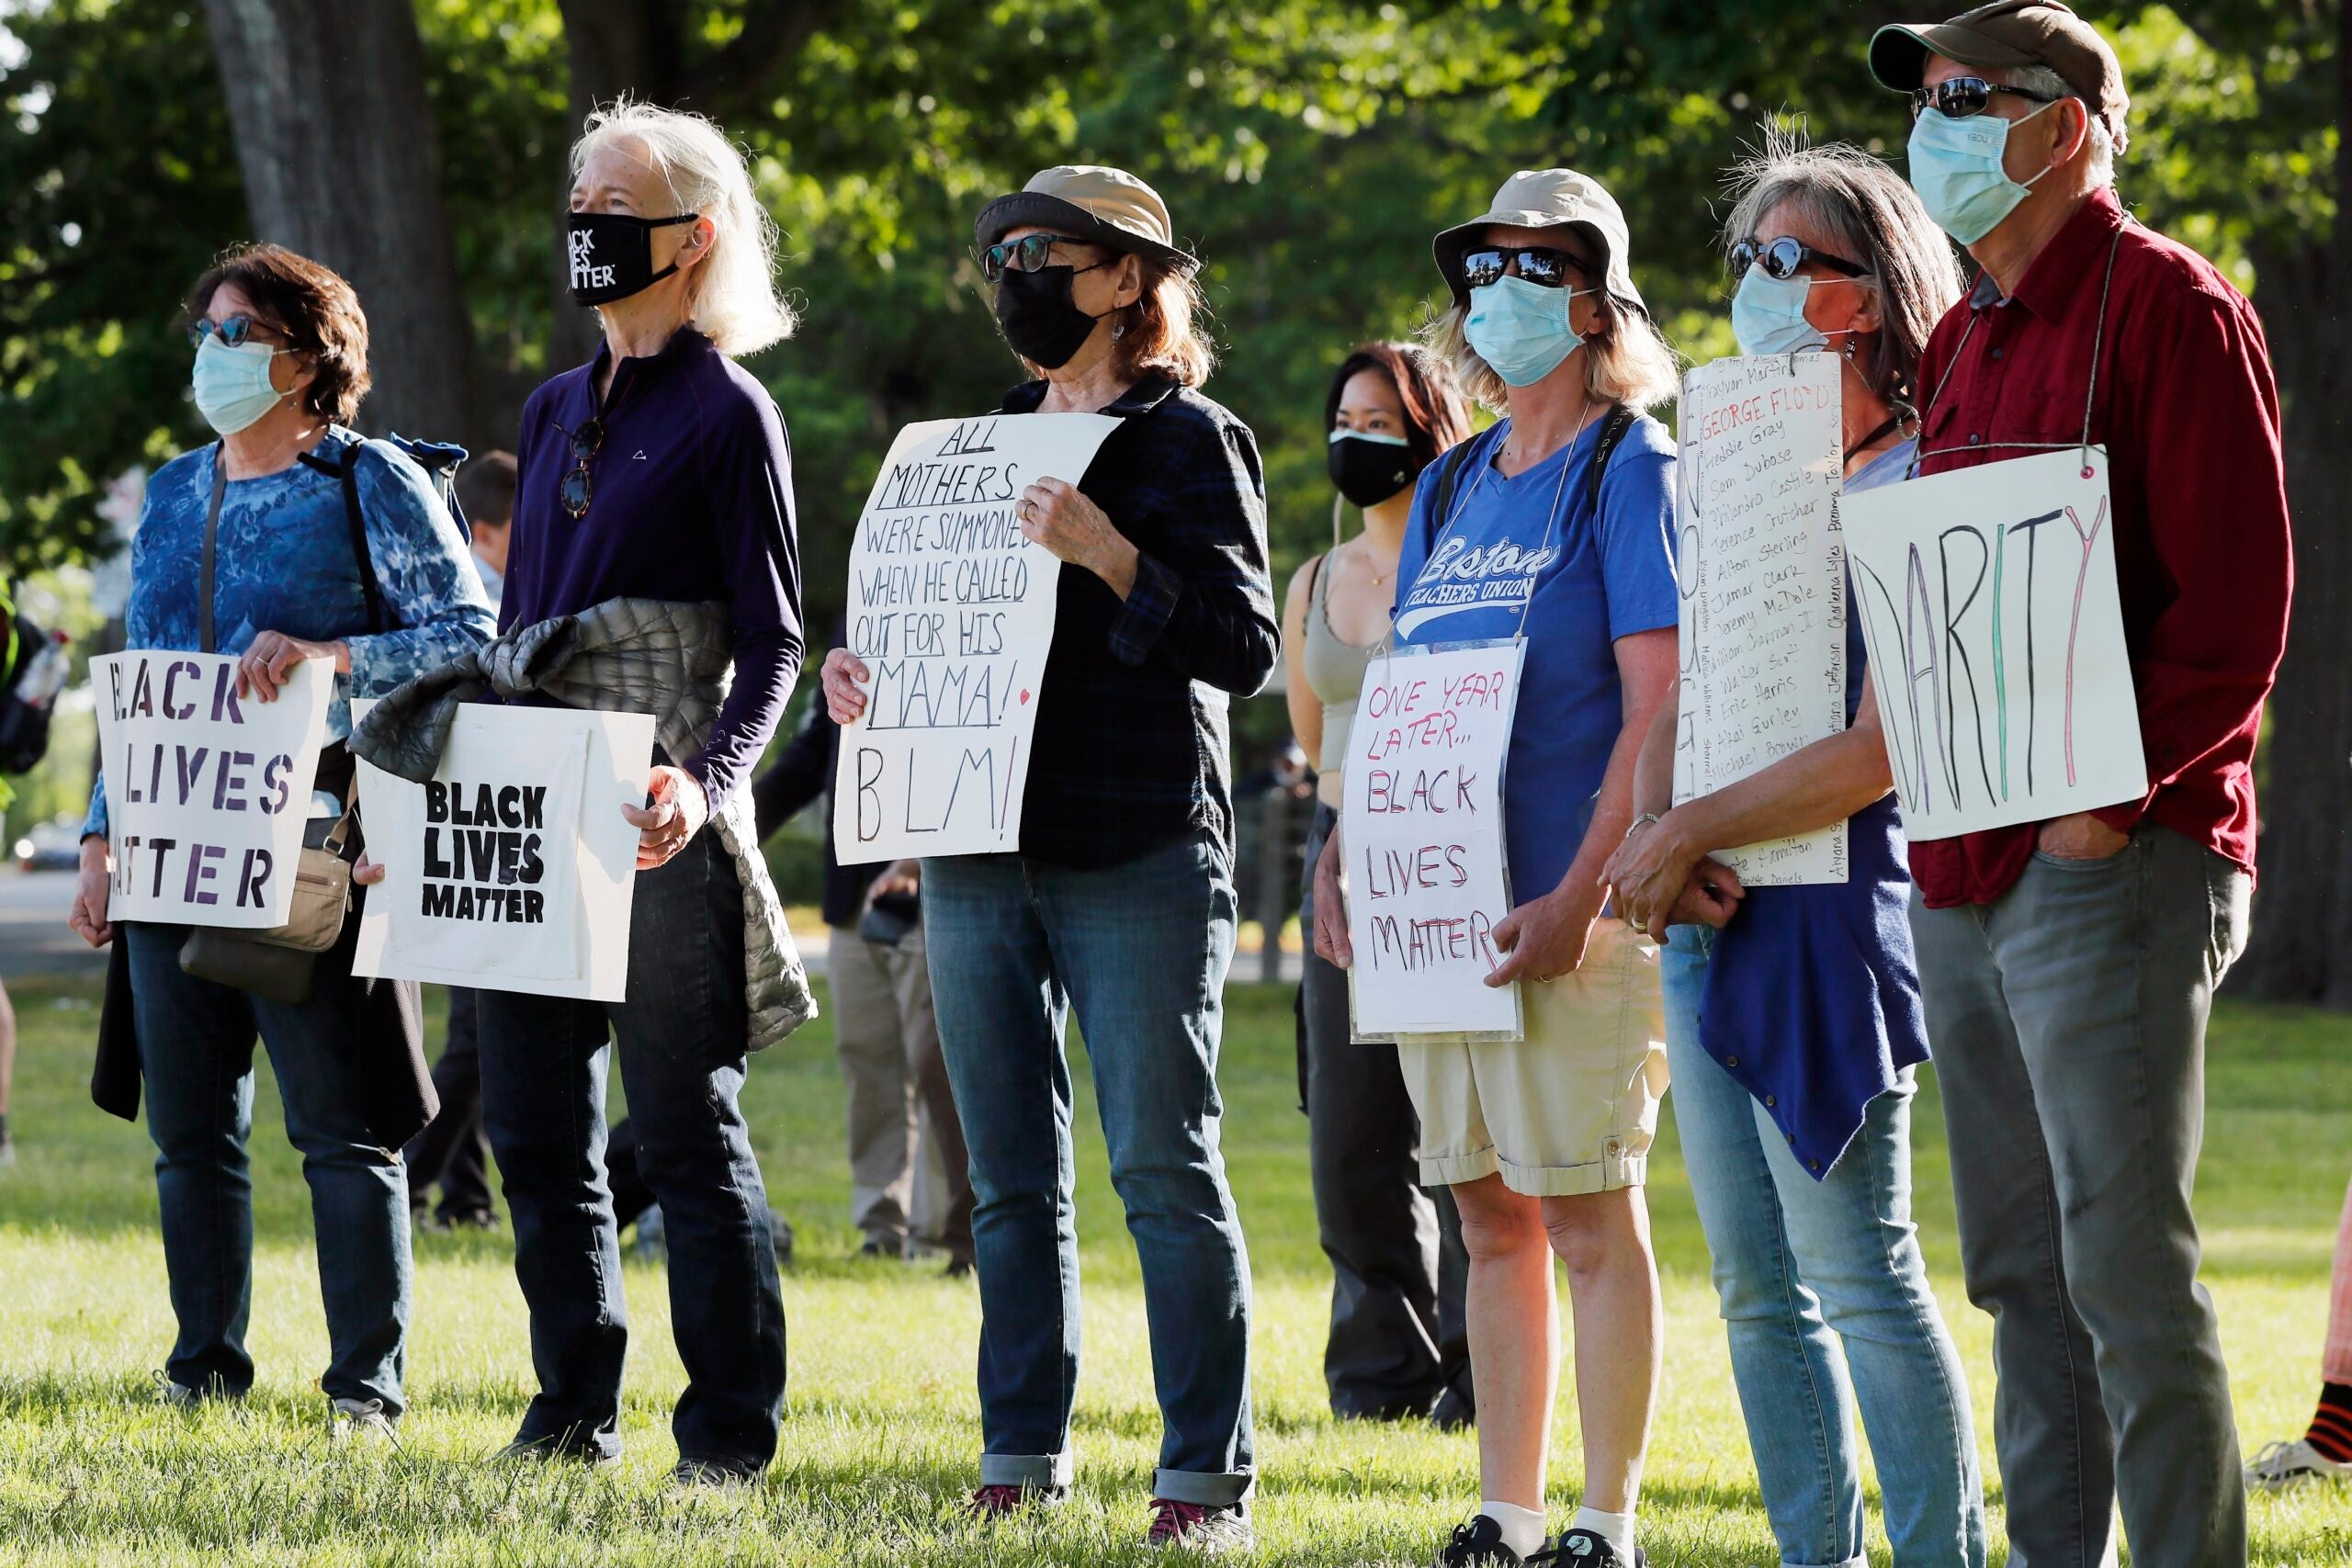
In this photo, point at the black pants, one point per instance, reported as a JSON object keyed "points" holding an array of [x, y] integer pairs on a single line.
{"points": [[1399, 1340], [453, 1151], [679, 1045]]}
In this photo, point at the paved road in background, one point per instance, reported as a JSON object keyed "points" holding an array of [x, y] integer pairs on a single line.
{"points": [[33, 938]]}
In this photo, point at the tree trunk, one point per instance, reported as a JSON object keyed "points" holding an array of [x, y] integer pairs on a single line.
{"points": [[336, 142], [2301, 949]]}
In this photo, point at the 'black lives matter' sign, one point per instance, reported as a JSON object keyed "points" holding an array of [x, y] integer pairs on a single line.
{"points": [[207, 790], [482, 854]]}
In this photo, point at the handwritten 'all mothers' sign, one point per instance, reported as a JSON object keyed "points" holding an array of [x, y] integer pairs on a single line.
{"points": [[951, 611], [1422, 824], [1989, 604], [512, 869], [205, 791], [1762, 569]]}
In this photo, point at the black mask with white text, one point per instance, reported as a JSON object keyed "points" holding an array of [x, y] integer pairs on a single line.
{"points": [[1040, 322], [612, 254]]}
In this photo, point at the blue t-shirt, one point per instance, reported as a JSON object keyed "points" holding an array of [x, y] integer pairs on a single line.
{"points": [[282, 562], [1592, 578]]}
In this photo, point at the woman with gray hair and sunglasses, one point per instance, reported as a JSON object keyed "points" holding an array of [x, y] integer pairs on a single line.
{"points": [[1794, 1030]]}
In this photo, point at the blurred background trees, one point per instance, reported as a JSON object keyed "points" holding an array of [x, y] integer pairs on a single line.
{"points": [[1308, 148]]}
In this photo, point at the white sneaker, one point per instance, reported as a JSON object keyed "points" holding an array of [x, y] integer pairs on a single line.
{"points": [[361, 1420], [177, 1394], [2281, 1465]]}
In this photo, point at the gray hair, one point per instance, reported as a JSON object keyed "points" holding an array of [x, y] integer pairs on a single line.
{"points": [[733, 299], [1873, 216], [2104, 147], [1625, 361]]}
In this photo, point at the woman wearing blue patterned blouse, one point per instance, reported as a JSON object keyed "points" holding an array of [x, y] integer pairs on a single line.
{"points": [[1794, 1030], [281, 365]]}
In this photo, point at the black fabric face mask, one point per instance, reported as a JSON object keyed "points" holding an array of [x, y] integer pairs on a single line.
{"points": [[1038, 317], [612, 254], [1368, 472]]}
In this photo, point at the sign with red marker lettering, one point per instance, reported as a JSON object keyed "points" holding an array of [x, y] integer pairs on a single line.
{"points": [[206, 791], [1422, 826], [1995, 633], [510, 869], [951, 610], [1761, 571]]}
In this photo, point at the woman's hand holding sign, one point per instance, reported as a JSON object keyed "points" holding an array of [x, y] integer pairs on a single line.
{"points": [[267, 665], [1056, 514], [1659, 878], [674, 812], [844, 677], [91, 894]]}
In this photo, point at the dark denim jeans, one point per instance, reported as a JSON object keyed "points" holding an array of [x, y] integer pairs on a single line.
{"points": [[196, 1055], [1140, 952], [682, 1048]]}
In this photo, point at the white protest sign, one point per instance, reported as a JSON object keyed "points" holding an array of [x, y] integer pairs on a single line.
{"points": [[206, 792], [1422, 826], [951, 611], [1988, 601], [1762, 572], [512, 869]]}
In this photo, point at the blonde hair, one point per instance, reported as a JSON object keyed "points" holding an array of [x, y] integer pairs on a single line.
{"points": [[1626, 359], [732, 296]]}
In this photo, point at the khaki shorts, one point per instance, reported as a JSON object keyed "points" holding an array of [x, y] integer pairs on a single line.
{"points": [[1572, 1108]]}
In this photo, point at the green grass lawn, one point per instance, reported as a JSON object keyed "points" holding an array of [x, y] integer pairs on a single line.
{"points": [[881, 1432]]}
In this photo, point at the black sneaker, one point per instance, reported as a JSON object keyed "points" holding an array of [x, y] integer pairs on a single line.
{"points": [[1582, 1549], [1479, 1544]]}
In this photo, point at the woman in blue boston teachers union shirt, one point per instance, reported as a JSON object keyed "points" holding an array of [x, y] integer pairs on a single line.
{"points": [[281, 366], [1795, 1029], [1556, 523]]}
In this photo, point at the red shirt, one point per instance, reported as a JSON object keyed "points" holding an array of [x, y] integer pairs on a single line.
{"points": [[2188, 413]]}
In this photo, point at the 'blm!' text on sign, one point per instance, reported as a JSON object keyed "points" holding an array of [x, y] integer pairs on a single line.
{"points": [[512, 868], [1988, 600], [1422, 826], [1761, 571], [206, 792], [951, 611]]}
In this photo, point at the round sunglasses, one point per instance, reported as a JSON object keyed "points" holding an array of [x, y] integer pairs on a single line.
{"points": [[1539, 264], [235, 332], [1028, 253], [1781, 258], [1964, 97], [576, 489]]}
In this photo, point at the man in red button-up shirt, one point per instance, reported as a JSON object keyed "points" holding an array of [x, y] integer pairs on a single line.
{"points": [[2068, 965]]}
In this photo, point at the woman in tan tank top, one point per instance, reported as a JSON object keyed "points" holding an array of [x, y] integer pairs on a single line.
{"points": [[1399, 1346]]}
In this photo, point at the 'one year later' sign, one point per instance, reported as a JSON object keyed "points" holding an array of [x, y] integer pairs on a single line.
{"points": [[1423, 830], [206, 791]]}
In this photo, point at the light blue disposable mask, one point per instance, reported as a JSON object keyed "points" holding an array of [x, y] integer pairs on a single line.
{"points": [[1956, 168], [1521, 328], [232, 387], [1767, 314]]}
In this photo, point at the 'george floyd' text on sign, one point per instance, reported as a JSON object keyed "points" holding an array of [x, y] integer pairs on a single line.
{"points": [[1760, 567], [951, 609], [206, 791], [1988, 600], [1422, 828]]}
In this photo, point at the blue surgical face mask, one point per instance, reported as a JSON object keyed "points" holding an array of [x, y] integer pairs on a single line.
{"points": [[232, 384], [1956, 168], [1768, 314], [1521, 328]]}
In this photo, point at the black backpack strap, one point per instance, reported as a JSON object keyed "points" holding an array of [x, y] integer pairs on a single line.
{"points": [[356, 521], [1449, 476], [1612, 431]]}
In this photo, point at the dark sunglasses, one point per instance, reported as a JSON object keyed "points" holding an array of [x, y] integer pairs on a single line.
{"points": [[577, 490], [1027, 254], [1539, 264], [1781, 257], [234, 331], [1964, 98]]}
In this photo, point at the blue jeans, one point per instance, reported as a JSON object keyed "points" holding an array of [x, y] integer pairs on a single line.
{"points": [[1804, 1268], [195, 1057], [1140, 952], [682, 1047]]}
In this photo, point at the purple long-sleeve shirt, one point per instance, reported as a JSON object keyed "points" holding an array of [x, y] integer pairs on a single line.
{"points": [[691, 499]]}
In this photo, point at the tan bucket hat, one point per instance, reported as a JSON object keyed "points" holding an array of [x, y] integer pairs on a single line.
{"points": [[1110, 207], [2002, 37], [1548, 199]]}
